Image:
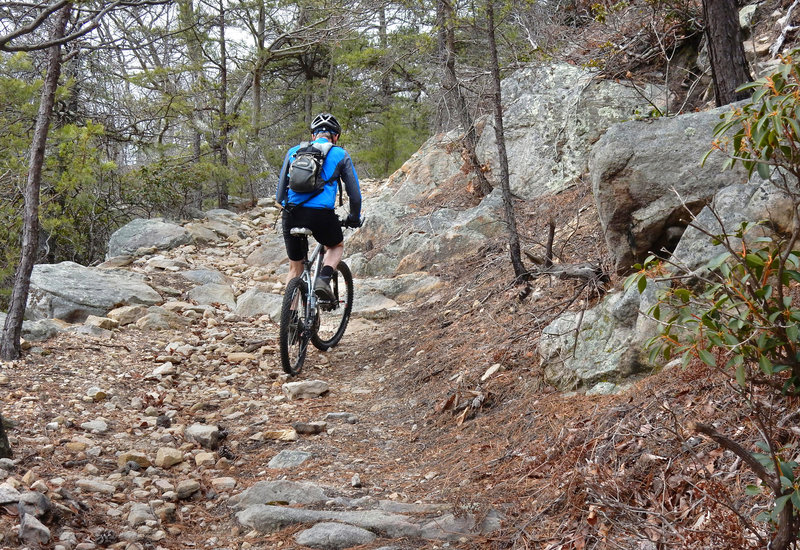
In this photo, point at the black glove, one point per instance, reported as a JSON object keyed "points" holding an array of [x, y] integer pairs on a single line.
{"points": [[352, 221]]}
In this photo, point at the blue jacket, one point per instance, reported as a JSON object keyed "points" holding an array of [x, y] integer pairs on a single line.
{"points": [[337, 165]]}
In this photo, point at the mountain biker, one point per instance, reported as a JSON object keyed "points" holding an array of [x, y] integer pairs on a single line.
{"points": [[316, 210]]}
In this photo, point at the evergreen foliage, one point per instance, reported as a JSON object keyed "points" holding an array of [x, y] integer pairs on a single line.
{"points": [[172, 104]]}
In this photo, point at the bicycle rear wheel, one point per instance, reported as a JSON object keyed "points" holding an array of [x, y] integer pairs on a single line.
{"points": [[333, 319], [295, 327]]}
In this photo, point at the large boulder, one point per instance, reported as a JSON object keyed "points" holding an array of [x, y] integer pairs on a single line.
{"points": [[409, 243], [732, 206], [552, 115], [37, 331], [146, 234], [648, 178], [602, 345], [72, 292], [259, 301]]}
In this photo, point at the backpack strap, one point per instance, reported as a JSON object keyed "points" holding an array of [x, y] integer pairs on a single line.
{"points": [[325, 148]]}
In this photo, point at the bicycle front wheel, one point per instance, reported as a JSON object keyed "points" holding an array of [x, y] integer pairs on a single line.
{"points": [[295, 328], [333, 318]]}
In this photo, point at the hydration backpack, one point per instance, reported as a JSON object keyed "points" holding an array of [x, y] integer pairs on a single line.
{"points": [[305, 173]]}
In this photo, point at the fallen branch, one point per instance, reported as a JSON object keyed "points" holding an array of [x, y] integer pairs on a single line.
{"points": [[785, 23], [586, 271]]}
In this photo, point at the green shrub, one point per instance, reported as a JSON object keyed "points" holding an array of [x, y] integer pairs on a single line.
{"points": [[743, 318]]}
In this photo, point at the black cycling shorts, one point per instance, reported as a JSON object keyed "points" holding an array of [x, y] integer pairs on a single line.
{"points": [[323, 222]]}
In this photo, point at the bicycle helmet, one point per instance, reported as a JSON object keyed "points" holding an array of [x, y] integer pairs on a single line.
{"points": [[325, 122]]}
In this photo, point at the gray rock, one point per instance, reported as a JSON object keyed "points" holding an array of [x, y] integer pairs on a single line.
{"points": [[140, 514], [141, 233], [206, 435], [38, 331], [610, 341], [641, 204], [91, 330], [373, 305], [402, 288], [8, 494], [72, 292], [414, 245], [95, 486], [213, 293], [259, 301], [396, 507], [201, 234], [267, 519], [305, 390], [205, 276], [33, 531], [187, 488], [270, 254], [733, 205], [562, 109], [291, 492], [227, 227], [603, 388], [98, 426], [163, 263], [35, 504], [449, 524], [334, 536], [350, 418], [288, 459], [127, 315], [159, 318]]}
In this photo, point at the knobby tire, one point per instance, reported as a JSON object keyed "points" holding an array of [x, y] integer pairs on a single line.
{"points": [[293, 336], [333, 323]]}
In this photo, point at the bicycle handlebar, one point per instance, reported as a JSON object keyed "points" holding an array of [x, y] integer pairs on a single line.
{"points": [[343, 223]]}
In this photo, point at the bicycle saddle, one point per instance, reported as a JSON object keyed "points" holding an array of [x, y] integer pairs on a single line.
{"points": [[298, 231]]}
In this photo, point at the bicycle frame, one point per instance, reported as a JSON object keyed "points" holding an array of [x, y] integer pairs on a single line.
{"points": [[312, 265]]}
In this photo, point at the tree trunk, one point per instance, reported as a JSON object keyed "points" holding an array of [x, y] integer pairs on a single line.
{"points": [[454, 96], [728, 63], [9, 341], [388, 145], [5, 446], [258, 70], [508, 200], [187, 21], [222, 182]]}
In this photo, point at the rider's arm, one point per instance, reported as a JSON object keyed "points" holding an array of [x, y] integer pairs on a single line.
{"points": [[351, 185], [283, 179]]}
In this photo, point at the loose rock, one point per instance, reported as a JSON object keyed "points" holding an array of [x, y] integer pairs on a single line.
{"points": [[334, 536], [305, 390], [288, 459]]}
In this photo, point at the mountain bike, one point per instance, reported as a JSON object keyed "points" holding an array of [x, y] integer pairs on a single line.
{"points": [[305, 317]]}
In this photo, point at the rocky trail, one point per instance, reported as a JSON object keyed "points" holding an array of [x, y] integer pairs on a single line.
{"points": [[172, 425], [131, 434]]}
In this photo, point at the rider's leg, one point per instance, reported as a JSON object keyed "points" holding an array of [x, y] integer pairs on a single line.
{"points": [[295, 270], [333, 255]]}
